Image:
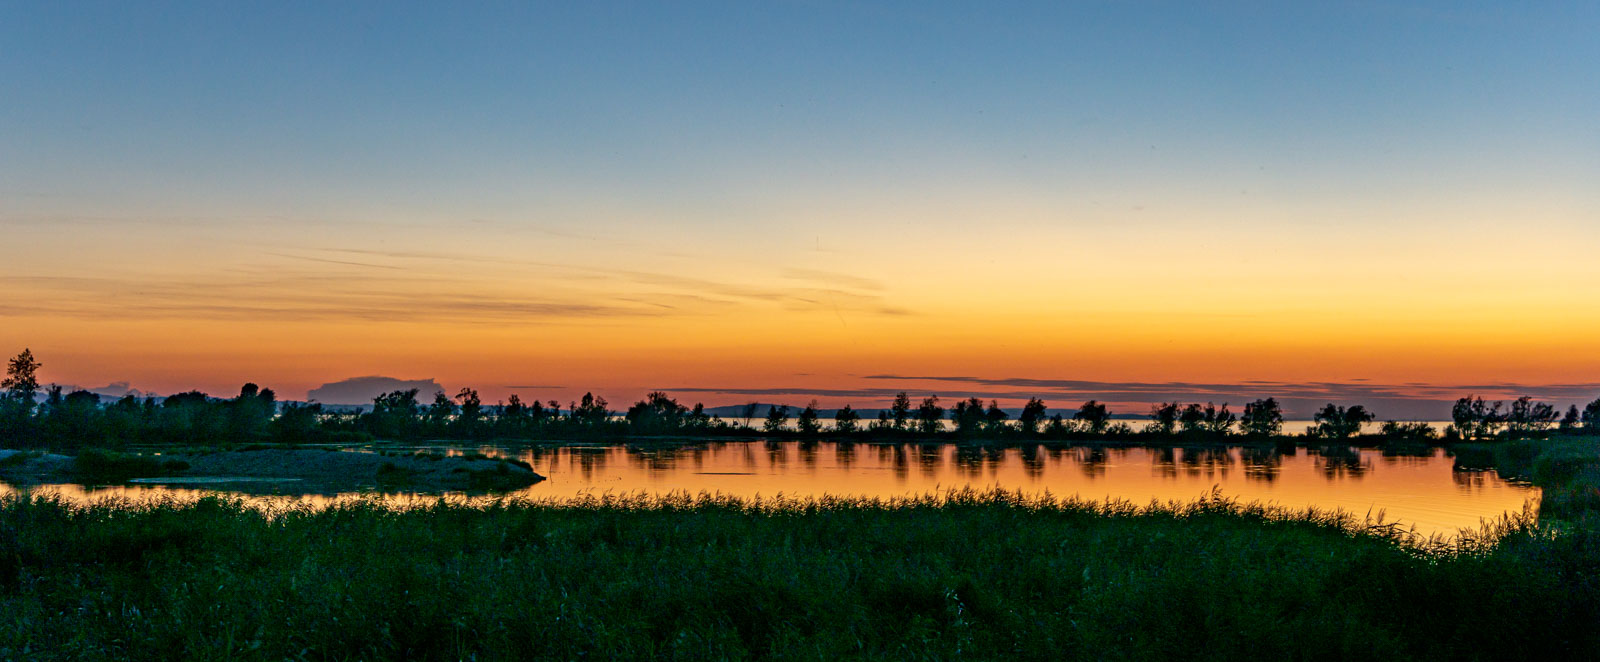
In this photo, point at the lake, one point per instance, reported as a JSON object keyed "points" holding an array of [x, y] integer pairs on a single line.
{"points": [[1424, 492]]}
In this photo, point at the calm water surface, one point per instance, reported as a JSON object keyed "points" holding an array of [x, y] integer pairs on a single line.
{"points": [[1421, 492]]}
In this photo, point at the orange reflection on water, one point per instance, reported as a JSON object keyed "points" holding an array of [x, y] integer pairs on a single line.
{"points": [[1423, 492]]}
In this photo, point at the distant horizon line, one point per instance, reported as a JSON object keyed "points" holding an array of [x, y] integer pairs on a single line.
{"points": [[827, 412]]}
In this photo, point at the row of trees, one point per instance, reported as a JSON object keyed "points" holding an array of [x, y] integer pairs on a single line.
{"points": [[1475, 419], [399, 414], [79, 418], [971, 418]]}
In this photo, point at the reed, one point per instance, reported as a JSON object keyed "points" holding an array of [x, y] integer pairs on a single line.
{"points": [[967, 574]]}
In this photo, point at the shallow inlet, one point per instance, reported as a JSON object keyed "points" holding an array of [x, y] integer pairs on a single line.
{"points": [[1423, 492]]}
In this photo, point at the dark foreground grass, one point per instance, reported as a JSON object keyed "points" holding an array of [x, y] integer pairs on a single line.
{"points": [[1567, 472], [967, 576]]}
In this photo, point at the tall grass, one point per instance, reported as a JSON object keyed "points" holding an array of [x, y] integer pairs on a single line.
{"points": [[979, 575]]}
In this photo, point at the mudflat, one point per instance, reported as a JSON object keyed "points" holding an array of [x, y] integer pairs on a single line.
{"points": [[299, 470]]}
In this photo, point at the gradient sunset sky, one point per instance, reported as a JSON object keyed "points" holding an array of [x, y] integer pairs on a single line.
{"points": [[1375, 202]]}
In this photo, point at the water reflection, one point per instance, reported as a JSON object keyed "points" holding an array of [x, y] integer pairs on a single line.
{"points": [[969, 460], [897, 458], [1415, 488], [1207, 461], [845, 453], [1262, 464], [1166, 462], [1339, 461], [1032, 460], [808, 454], [929, 457], [1092, 461]]}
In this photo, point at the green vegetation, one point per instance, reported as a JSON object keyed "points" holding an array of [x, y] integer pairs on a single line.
{"points": [[499, 478], [1566, 470], [93, 465], [980, 576]]}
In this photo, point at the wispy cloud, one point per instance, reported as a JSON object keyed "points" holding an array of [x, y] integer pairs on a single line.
{"points": [[294, 297], [832, 292], [834, 279], [351, 263]]}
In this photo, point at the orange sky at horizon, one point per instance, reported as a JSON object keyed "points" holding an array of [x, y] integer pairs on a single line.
{"points": [[187, 308]]}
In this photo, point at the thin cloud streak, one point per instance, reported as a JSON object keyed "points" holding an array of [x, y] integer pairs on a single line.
{"points": [[833, 278], [343, 262], [296, 297], [836, 296]]}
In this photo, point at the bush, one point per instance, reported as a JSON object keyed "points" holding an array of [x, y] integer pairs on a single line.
{"points": [[96, 465], [1565, 465], [1411, 432]]}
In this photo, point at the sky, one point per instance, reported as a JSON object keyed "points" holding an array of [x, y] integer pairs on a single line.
{"points": [[1357, 201]]}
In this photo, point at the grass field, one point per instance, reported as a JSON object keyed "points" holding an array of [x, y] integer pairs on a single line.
{"points": [[964, 576]]}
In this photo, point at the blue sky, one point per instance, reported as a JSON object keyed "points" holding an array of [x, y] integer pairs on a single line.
{"points": [[697, 108]]}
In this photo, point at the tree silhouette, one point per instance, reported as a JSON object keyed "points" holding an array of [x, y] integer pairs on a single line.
{"points": [[968, 417], [844, 420], [126, 421], [22, 379], [251, 412], [1192, 418], [513, 418], [190, 418], [1094, 416], [471, 412], [74, 420], [1413, 432], [1591, 416], [777, 417], [296, 422], [1475, 419], [1164, 418], [1528, 418], [994, 418], [394, 414], [1032, 415], [440, 413], [591, 411], [808, 423], [698, 418], [1572, 420], [1334, 422], [901, 409], [658, 413], [749, 412], [1218, 420], [1057, 426], [929, 413], [1262, 418]]}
